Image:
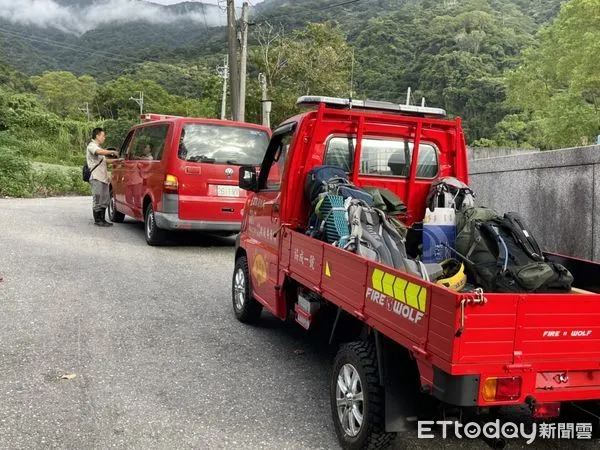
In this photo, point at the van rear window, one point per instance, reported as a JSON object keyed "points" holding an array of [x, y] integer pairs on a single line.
{"points": [[382, 157], [222, 144]]}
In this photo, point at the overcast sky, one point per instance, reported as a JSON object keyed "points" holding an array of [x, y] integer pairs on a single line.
{"points": [[49, 13], [171, 2]]}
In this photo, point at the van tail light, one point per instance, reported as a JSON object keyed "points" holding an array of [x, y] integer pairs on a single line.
{"points": [[501, 389], [171, 184]]}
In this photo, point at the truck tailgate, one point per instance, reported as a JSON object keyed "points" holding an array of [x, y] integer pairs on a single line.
{"points": [[518, 329], [558, 327]]}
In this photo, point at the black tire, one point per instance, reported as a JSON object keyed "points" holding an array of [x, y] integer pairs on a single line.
{"points": [[359, 359], [154, 236], [246, 308], [114, 215]]}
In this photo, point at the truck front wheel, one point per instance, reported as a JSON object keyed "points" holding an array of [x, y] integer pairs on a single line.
{"points": [[245, 307], [357, 399]]}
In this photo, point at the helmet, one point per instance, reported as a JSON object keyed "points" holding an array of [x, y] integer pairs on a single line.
{"points": [[453, 277]]}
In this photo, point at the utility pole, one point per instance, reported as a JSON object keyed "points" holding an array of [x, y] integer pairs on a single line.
{"points": [[243, 62], [234, 72], [140, 101], [86, 110], [223, 72], [265, 103], [352, 76]]}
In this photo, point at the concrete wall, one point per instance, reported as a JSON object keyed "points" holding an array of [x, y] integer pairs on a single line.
{"points": [[484, 152], [556, 192]]}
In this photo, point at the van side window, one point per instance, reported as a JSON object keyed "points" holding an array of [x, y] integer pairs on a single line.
{"points": [[382, 157], [149, 143], [125, 145], [273, 166]]}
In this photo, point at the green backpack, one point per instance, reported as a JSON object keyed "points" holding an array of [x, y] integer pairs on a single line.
{"points": [[502, 256]]}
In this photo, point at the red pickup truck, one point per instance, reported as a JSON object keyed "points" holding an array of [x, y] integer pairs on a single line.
{"points": [[402, 338]]}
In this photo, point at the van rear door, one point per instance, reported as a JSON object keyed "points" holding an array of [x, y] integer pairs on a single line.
{"points": [[208, 160]]}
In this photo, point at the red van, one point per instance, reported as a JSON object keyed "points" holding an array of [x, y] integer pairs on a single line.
{"points": [[178, 173]]}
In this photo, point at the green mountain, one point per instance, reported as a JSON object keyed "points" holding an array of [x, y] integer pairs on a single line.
{"points": [[455, 53]]}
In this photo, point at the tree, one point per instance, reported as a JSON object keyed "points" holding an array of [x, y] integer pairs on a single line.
{"points": [[113, 100], [559, 82], [314, 60], [64, 93]]}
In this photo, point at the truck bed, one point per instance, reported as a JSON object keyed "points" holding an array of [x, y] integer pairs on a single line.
{"points": [[537, 336]]}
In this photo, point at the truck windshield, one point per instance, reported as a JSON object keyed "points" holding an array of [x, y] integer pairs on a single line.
{"points": [[382, 157], [221, 144]]}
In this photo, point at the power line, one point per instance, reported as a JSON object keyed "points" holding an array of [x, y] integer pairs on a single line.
{"points": [[50, 42], [266, 17], [204, 16], [338, 4]]}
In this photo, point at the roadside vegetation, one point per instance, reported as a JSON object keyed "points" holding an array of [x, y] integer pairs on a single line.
{"points": [[520, 73]]}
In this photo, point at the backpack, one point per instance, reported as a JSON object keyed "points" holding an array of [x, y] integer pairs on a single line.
{"points": [[323, 183], [502, 256], [374, 237], [448, 192], [386, 200], [332, 180], [332, 219]]}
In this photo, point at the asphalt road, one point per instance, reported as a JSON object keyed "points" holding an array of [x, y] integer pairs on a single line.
{"points": [[157, 357]]}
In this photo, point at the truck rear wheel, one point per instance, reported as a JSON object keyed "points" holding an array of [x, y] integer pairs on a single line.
{"points": [[245, 307], [357, 399]]}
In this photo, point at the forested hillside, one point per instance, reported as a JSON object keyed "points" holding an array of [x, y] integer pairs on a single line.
{"points": [[519, 72], [453, 52]]}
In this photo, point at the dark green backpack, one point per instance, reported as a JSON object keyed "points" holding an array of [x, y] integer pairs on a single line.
{"points": [[502, 256]]}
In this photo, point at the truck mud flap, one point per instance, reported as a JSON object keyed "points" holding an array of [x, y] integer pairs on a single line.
{"points": [[404, 402], [457, 390]]}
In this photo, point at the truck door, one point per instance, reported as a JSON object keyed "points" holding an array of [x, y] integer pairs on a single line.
{"points": [[265, 220]]}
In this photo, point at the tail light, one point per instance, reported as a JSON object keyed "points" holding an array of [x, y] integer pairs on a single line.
{"points": [[546, 410], [501, 389], [171, 184]]}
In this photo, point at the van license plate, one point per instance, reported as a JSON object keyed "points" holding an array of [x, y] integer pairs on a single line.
{"points": [[228, 191]]}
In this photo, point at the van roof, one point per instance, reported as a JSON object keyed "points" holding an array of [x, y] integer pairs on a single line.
{"points": [[162, 118]]}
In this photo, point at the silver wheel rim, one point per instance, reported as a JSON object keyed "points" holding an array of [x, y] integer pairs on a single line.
{"points": [[239, 289], [349, 398], [111, 208], [149, 223]]}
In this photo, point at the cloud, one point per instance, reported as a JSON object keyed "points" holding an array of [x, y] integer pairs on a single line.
{"points": [[49, 13]]}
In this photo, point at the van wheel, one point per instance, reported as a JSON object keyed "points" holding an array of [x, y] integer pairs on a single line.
{"points": [[357, 399], [154, 235], [246, 308], [113, 214]]}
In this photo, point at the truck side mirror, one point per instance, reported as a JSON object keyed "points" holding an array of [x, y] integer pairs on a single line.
{"points": [[248, 178]]}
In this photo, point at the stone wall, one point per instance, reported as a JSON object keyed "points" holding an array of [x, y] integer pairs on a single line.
{"points": [[556, 192]]}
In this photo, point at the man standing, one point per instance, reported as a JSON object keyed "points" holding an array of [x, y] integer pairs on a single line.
{"points": [[99, 180]]}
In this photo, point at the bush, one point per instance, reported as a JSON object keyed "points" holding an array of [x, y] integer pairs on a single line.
{"points": [[55, 181], [15, 175], [19, 179]]}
